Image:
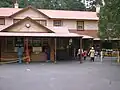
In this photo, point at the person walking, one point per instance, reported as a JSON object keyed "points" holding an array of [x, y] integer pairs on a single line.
{"points": [[92, 54], [79, 54], [84, 54]]}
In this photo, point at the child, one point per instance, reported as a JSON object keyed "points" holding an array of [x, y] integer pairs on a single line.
{"points": [[85, 55]]}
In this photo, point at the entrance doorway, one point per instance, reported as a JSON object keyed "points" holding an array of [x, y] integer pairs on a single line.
{"points": [[67, 48]]}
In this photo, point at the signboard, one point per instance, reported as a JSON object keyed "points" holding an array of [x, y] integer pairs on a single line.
{"points": [[37, 49]]}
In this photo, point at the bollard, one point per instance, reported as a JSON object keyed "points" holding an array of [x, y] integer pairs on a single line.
{"points": [[118, 60], [101, 56]]}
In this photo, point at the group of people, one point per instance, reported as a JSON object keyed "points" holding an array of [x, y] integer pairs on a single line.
{"points": [[80, 53], [91, 53]]}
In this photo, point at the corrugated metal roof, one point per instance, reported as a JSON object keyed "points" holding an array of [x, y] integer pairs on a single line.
{"points": [[92, 33], [65, 14], [55, 14]]}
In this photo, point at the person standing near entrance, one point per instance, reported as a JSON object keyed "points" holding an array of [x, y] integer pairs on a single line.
{"points": [[20, 54], [79, 54], [47, 51], [92, 54]]}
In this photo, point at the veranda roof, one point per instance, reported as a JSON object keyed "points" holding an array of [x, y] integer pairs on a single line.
{"points": [[87, 37], [40, 34], [63, 30]]}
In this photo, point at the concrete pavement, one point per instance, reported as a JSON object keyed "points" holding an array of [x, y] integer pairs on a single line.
{"points": [[61, 76]]}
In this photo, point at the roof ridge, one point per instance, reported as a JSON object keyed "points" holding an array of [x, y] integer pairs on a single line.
{"points": [[65, 10], [48, 9]]}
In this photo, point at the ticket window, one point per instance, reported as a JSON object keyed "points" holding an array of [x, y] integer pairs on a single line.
{"points": [[39, 44], [36, 46]]}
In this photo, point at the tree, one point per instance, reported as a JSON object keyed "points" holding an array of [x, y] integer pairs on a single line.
{"points": [[75, 5], [93, 4], [109, 23], [46, 4], [5, 3], [58, 4]]}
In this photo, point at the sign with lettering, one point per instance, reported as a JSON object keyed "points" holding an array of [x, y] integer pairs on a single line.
{"points": [[37, 49]]}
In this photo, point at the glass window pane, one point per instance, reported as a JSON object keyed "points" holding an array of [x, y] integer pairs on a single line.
{"points": [[80, 25], [2, 21]]}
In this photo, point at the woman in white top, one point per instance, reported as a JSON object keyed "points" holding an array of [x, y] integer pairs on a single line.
{"points": [[92, 54], [79, 54]]}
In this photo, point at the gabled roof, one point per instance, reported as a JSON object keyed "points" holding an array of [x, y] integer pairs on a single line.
{"points": [[6, 12], [27, 18], [29, 7], [66, 14], [59, 29], [53, 14]]}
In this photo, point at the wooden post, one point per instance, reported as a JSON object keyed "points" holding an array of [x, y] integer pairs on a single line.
{"points": [[118, 59], [27, 50], [80, 50], [92, 43], [55, 50], [0, 48]]}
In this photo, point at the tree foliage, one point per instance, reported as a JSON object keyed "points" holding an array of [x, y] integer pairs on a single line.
{"points": [[46, 4], [109, 23], [6, 3], [93, 5]]}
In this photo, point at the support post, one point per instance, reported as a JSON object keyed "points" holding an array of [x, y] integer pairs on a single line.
{"points": [[118, 59], [55, 50], [80, 50], [0, 49], [101, 55], [27, 50], [92, 43], [118, 53]]}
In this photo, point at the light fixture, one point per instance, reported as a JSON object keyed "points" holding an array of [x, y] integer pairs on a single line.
{"points": [[27, 25], [70, 41]]}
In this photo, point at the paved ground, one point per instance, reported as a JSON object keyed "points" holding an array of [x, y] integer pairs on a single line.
{"points": [[61, 76]]}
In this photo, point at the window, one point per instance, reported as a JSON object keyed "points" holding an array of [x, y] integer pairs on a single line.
{"points": [[2, 21], [9, 44], [16, 20], [57, 23], [19, 41], [42, 22], [80, 25]]}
